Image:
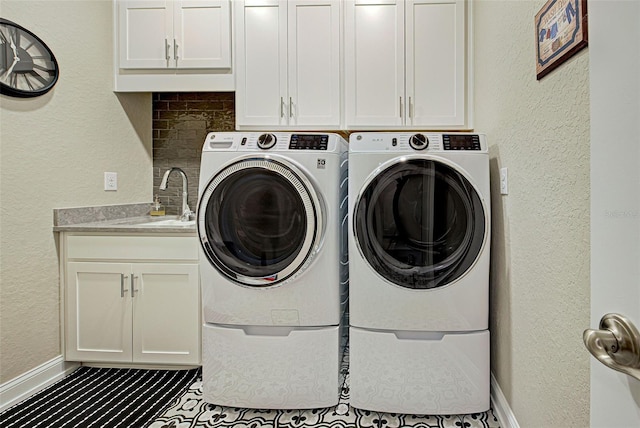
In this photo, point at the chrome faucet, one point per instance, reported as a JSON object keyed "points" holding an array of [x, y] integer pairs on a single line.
{"points": [[186, 211]]}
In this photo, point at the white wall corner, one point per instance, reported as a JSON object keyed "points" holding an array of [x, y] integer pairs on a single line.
{"points": [[501, 408], [27, 384]]}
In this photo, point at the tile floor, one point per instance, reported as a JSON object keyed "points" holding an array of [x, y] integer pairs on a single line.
{"points": [[191, 411]]}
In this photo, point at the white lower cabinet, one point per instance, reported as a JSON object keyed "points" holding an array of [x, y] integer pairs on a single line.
{"points": [[143, 311]]}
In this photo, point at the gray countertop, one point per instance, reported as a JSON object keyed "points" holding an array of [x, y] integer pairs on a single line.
{"points": [[128, 218], [144, 224]]}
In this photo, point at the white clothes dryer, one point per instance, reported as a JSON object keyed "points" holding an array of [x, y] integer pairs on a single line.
{"points": [[419, 235], [270, 224]]}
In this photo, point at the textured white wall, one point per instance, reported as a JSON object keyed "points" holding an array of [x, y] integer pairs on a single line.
{"points": [[540, 249], [54, 150]]}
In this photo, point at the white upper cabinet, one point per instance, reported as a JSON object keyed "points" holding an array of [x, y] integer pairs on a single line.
{"points": [[202, 34], [172, 45], [288, 64], [405, 64], [374, 61], [157, 34]]}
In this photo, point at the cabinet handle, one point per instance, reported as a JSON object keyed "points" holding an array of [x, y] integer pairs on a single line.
{"points": [[290, 107], [400, 107], [281, 107], [133, 289], [410, 109], [175, 51], [122, 289], [166, 50]]}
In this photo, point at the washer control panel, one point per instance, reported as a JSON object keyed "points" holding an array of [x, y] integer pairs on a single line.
{"points": [[308, 142], [271, 142]]}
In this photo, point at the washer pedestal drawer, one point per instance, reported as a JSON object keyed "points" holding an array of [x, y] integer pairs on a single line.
{"points": [[271, 367], [419, 372]]}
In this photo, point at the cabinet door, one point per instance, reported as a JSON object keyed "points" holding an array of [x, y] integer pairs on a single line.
{"points": [[261, 61], [435, 59], [202, 37], [98, 312], [145, 33], [166, 313], [374, 63], [314, 62]]}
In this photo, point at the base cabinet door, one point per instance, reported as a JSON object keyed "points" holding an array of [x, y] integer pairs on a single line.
{"points": [[132, 312], [166, 313], [98, 316]]}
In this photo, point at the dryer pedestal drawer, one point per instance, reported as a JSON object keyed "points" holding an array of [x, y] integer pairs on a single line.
{"points": [[427, 373], [272, 368]]}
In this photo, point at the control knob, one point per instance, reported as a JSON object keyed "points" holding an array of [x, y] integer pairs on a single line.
{"points": [[266, 141], [419, 142]]}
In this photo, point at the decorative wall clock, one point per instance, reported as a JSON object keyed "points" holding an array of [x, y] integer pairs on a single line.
{"points": [[27, 66]]}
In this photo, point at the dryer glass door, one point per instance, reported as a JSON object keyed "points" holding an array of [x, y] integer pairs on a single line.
{"points": [[259, 221], [420, 224]]}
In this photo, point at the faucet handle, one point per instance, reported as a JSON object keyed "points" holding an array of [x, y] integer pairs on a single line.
{"points": [[187, 214]]}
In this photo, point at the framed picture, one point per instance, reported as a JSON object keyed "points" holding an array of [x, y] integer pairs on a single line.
{"points": [[561, 31]]}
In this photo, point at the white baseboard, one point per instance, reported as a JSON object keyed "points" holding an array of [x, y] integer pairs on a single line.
{"points": [[34, 380], [501, 408]]}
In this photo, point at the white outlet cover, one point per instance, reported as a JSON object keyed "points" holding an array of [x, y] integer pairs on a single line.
{"points": [[110, 181], [504, 181]]}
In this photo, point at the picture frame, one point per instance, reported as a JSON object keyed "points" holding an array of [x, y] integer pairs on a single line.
{"points": [[561, 31]]}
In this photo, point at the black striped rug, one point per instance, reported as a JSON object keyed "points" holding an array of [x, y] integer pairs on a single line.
{"points": [[101, 397]]}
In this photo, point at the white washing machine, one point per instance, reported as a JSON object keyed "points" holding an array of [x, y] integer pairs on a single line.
{"points": [[419, 234], [270, 216]]}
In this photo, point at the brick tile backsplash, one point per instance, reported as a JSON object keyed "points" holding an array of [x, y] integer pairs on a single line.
{"points": [[181, 122]]}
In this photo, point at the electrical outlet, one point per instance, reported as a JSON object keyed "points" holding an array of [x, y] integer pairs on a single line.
{"points": [[504, 181], [110, 181]]}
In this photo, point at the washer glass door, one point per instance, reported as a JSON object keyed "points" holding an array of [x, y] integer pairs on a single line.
{"points": [[259, 221], [420, 223]]}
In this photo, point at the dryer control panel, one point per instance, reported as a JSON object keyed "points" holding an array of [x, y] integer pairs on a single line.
{"points": [[461, 142], [418, 142]]}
